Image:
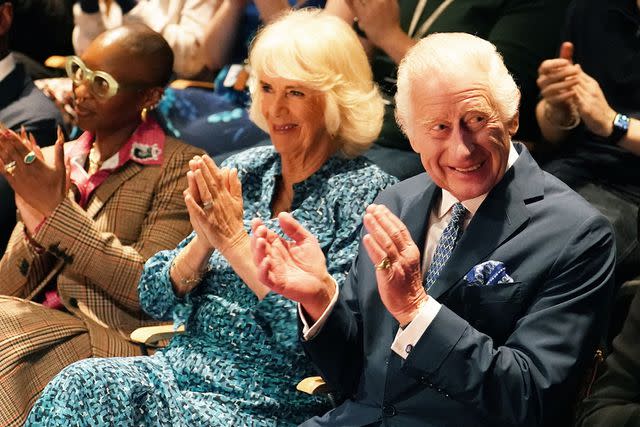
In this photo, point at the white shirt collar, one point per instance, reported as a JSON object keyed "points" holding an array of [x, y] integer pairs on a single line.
{"points": [[472, 205], [7, 64]]}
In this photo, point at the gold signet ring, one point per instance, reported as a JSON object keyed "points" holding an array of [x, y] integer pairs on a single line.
{"points": [[384, 264], [10, 168]]}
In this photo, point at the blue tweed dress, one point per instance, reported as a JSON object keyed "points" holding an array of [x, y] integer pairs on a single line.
{"points": [[239, 360]]}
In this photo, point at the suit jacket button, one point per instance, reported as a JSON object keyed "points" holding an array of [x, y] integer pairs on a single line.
{"points": [[73, 302], [388, 410]]}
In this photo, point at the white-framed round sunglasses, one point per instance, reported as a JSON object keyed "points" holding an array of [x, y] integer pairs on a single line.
{"points": [[102, 84]]}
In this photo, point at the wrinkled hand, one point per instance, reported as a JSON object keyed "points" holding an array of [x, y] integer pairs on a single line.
{"points": [[595, 111], [42, 184], [214, 202], [557, 77], [400, 285], [294, 269], [377, 18]]}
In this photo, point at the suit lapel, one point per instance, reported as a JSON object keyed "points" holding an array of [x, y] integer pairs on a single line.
{"points": [[415, 214], [106, 190], [501, 215]]}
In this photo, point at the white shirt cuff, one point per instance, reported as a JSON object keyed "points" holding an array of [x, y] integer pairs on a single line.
{"points": [[408, 337], [310, 332]]}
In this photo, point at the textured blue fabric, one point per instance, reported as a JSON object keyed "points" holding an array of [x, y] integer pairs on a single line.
{"points": [[488, 273], [240, 358], [447, 242]]}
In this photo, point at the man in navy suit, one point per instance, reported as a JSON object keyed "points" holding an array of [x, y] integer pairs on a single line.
{"points": [[481, 288], [21, 104]]}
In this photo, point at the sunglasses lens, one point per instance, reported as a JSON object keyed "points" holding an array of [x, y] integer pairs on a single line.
{"points": [[100, 86]]}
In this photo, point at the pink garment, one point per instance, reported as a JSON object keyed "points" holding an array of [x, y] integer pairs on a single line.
{"points": [[145, 147]]}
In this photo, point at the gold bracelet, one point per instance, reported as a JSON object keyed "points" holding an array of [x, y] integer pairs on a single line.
{"points": [[575, 118], [190, 281]]}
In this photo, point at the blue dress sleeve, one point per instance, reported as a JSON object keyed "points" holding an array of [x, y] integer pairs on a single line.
{"points": [[155, 289]]}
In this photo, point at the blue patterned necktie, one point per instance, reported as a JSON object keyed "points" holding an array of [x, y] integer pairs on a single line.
{"points": [[447, 242]]}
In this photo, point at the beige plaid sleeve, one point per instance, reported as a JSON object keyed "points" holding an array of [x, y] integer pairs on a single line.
{"points": [[22, 271]]}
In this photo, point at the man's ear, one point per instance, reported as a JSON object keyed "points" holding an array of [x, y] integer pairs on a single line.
{"points": [[512, 126], [6, 18]]}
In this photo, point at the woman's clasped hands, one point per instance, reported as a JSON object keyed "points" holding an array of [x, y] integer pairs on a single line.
{"points": [[214, 202]]}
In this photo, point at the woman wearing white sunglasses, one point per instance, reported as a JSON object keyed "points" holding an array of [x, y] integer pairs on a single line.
{"points": [[92, 211]]}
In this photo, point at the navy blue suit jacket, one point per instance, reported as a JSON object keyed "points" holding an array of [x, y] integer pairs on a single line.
{"points": [[505, 354], [23, 104]]}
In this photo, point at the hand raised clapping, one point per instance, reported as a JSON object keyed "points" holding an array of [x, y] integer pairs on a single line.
{"points": [[569, 90], [295, 269], [42, 183], [397, 262], [214, 202]]}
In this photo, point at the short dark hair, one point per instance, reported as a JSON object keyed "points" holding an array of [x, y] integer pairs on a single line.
{"points": [[153, 47], [141, 42]]}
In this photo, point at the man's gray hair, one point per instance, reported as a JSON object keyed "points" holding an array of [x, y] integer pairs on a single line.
{"points": [[446, 55]]}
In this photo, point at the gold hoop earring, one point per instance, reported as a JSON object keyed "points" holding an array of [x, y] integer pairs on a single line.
{"points": [[143, 114]]}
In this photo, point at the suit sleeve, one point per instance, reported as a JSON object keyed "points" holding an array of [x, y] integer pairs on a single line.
{"points": [[538, 366], [337, 350], [614, 400], [23, 271], [100, 257]]}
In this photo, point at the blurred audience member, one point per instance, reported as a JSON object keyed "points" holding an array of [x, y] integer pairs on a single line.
{"points": [[218, 121], [21, 105], [239, 359], [92, 211], [181, 23], [590, 108], [41, 28], [614, 398], [525, 32]]}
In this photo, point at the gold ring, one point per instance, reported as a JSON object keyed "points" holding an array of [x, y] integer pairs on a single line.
{"points": [[29, 158], [10, 168], [207, 205], [384, 264]]}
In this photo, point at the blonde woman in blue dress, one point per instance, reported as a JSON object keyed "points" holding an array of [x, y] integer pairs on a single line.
{"points": [[240, 358]]}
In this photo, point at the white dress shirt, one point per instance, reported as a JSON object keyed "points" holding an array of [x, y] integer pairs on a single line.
{"points": [[407, 337]]}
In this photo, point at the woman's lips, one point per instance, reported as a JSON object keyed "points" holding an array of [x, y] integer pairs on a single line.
{"points": [[284, 128]]}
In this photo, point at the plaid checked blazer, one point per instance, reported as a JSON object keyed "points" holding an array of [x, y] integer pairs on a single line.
{"points": [[97, 255]]}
